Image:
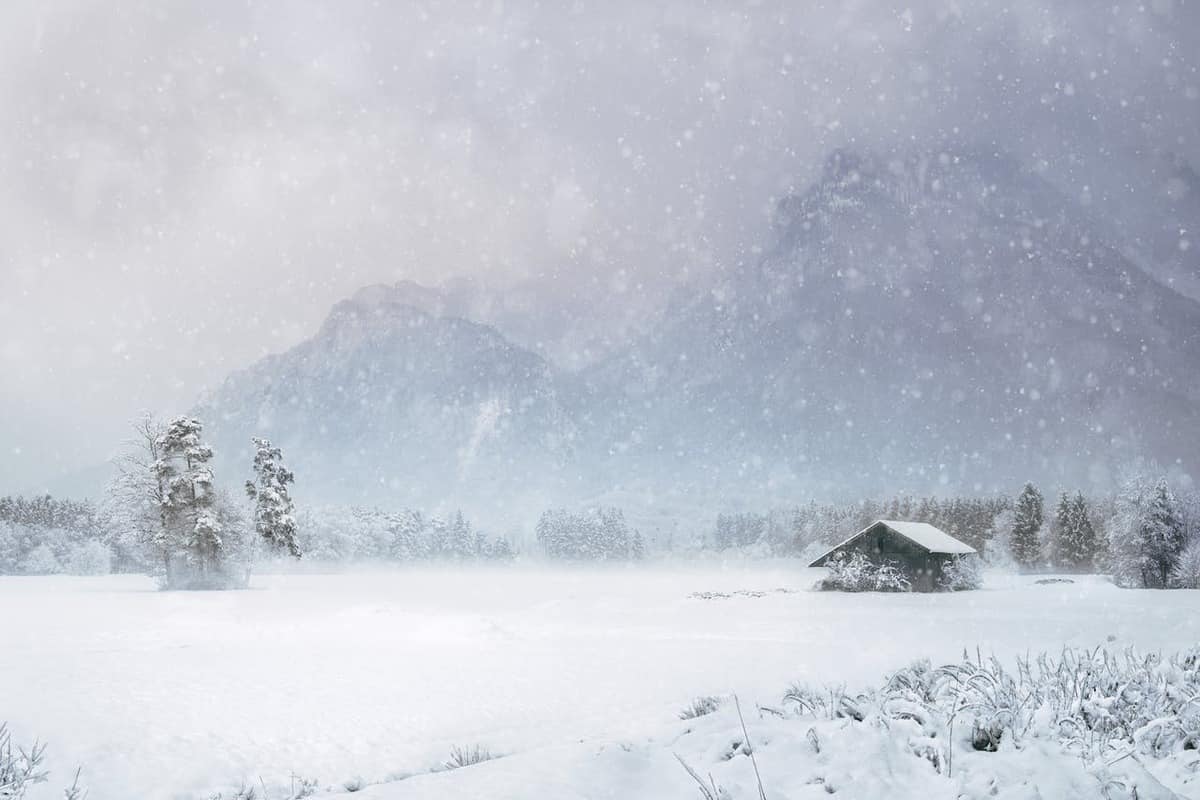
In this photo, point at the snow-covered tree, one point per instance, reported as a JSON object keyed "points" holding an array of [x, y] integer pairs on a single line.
{"points": [[1082, 548], [41, 561], [1147, 537], [1060, 530], [1026, 541], [962, 573], [637, 547], [408, 542], [501, 550], [89, 558], [460, 541], [1074, 535], [134, 514], [997, 550], [274, 519], [596, 534], [191, 528], [1187, 570], [1162, 537]]}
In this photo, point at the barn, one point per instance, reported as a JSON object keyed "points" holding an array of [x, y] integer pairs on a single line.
{"points": [[918, 548]]}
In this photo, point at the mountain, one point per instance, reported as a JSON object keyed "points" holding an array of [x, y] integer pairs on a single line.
{"points": [[572, 326], [947, 322], [924, 323], [390, 403]]}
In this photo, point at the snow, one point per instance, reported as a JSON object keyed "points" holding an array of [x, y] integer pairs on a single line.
{"points": [[932, 539], [647, 767], [380, 673]]}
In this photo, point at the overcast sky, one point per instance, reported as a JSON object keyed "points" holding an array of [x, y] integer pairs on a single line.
{"points": [[185, 186]]}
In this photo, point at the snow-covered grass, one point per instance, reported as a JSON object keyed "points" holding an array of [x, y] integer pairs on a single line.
{"points": [[576, 676]]}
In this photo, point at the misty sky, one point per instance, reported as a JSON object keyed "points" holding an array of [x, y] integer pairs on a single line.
{"points": [[185, 186]]}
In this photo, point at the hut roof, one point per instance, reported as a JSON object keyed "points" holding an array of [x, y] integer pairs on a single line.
{"points": [[922, 534]]}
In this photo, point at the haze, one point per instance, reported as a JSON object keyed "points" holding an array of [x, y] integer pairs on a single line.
{"points": [[167, 168]]}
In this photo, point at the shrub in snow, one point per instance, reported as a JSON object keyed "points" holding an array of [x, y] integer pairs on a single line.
{"points": [[467, 756], [89, 558], [20, 768], [888, 577], [302, 787], [854, 572], [1097, 704], [961, 573], [41, 561], [709, 789], [700, 706], [243, 792]]}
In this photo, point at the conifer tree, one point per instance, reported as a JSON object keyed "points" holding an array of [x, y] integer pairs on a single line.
{"points": [[637, 547], [190, 524], [1162, 538], [1026, 540], [273, 509], [1061, 534], [1082, 546]]}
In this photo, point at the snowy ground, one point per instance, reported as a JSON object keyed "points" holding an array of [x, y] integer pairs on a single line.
{"points": [[379, 673]]}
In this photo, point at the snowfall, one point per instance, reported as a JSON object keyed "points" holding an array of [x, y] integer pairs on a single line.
{"points": [[572, 678]]}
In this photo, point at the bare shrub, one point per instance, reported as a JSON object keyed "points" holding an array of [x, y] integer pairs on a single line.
{"points": [[467, 756], [700, 707], [354, 785], [20, 768]]}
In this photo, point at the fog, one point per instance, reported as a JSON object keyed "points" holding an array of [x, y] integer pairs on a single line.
{"points": [[170, 168]]}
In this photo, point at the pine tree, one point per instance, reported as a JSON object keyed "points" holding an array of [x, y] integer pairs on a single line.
{"points": [[406, 533], [1083, 543], [273, 509], [1162, 538], [501, 550], [460, 543], [1027, 525], [191, 527], [637, 547], [1061, 534]]}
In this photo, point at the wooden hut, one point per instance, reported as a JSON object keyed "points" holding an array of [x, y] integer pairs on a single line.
{"points": [[917, 548]]}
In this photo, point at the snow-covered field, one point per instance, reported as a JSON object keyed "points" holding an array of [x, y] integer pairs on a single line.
{"points": [[380, 673]]}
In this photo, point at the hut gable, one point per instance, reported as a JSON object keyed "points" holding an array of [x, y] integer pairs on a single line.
{"points": [[921, 534]]}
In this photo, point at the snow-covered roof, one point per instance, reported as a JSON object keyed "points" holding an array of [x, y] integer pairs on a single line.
{"points": [[922, 534], [935, 540]]}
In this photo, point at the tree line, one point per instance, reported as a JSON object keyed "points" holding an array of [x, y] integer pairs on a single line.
{"points": [[1145, 535], [166, 515], [594, 534], [344, 535]]}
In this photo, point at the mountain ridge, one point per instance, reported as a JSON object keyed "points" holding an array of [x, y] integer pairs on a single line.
{"points": [[929, 321]]}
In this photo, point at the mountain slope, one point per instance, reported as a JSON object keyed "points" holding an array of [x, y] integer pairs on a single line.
{"points": [[389, 403], [946, 323], [921, 322]]}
